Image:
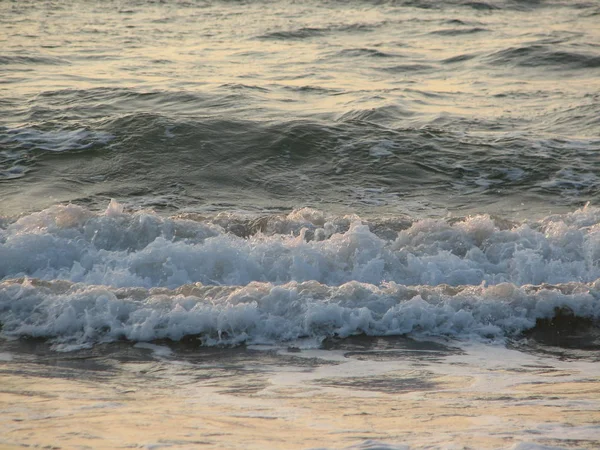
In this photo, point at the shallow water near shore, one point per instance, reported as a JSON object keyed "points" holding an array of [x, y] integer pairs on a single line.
{"points": [[358, 393]]}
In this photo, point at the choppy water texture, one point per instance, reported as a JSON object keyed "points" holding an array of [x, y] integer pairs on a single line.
{"points": [[379, 107], [313, 180]]}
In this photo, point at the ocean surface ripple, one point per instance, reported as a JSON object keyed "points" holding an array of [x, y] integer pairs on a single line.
{"points": [[417, 107]]}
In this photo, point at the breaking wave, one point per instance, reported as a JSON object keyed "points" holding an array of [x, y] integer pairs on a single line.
{"points": [[78, 277]]}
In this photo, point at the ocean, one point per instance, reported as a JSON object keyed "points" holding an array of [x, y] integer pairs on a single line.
{"points": [[272, 224]]}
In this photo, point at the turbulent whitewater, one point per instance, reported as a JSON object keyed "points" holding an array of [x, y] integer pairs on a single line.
{"points": [[79, 277]]}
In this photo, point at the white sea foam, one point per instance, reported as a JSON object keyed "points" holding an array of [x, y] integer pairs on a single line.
{"points": [[80, 277], [143, 249], [264, 312], [55, 140]]}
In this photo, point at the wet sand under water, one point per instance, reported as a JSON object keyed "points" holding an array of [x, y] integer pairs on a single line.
{"points": [[356, 391]]}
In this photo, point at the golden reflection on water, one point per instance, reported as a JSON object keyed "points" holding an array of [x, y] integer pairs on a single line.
{"points": [[152, 405], [204, 47]]}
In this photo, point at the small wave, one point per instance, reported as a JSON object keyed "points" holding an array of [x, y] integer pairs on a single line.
{"points": [[12, 172], [244, 87], [401, 68], [360, 27], [309, 32], [583, 119], [313, 89], [382, 114], [115, 100], [459, 32], [55, 140], [481, 6], [570, 182], [542, 55], [315, 160], [459, 58], [300, 33], [32, 60], [592, 13]]}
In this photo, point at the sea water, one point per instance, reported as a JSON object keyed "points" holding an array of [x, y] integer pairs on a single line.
{"points": [[279, 224]]}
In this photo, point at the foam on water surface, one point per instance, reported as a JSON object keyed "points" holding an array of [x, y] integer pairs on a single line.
{"points": [[79, 277], [53, 140]]}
